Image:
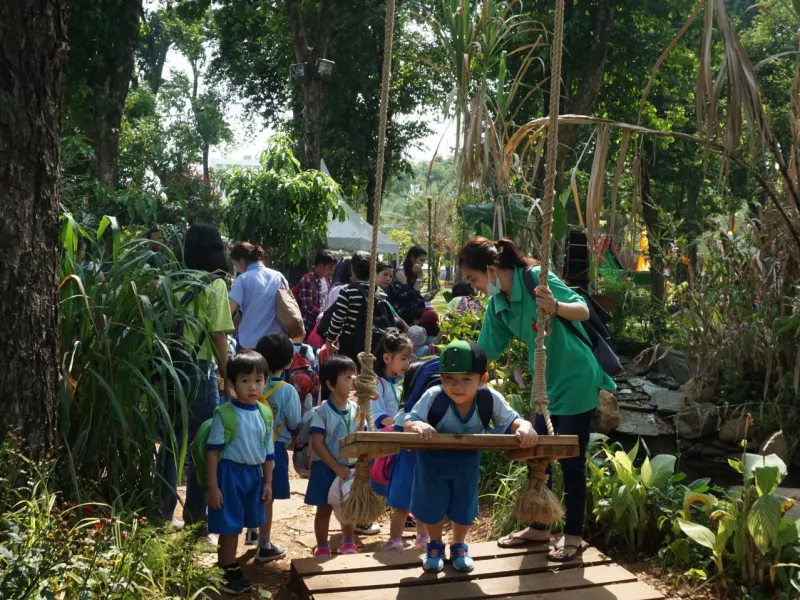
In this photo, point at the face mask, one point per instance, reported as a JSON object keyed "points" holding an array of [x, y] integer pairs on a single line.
{"points": [[493, 287]]}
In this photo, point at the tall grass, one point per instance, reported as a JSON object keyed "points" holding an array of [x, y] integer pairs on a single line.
{"points": [[119, 382]]}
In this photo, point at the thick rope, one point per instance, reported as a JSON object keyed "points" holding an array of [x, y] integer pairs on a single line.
{"points": [[363, 505], [540, 358]]}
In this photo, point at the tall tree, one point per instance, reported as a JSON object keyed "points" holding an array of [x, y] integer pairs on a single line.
{"points": [[103, 36], [32, 60]]}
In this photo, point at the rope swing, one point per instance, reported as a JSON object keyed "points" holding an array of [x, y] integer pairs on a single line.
{"points": [[538, 504], [362, 504]]}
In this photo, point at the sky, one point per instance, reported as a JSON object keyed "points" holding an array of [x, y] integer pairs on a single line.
{"points": [[250, 141]]}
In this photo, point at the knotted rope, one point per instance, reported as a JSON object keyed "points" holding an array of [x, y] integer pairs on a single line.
{"points": [[538, 504], [363, 505]]}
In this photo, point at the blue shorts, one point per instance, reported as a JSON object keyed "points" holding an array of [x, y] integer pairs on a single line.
{"points": [[401, 481], [242, 506], [280, 473], [320, 481], [446, 485]]}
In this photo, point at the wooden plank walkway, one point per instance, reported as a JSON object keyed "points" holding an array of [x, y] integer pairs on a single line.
{"points": [[500, 573], [383, 443]]}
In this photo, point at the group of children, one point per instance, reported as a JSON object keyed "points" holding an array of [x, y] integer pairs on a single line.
{"points": [[248, 468]]}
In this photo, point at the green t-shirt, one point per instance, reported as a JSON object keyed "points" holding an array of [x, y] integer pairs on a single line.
{"points": [[214, 313], [573, 376]]}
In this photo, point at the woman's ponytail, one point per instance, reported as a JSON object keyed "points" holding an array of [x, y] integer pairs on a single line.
{"points": [[249, 252]]}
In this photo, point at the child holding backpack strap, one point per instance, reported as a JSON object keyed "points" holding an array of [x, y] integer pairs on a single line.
{"points": [[239, 462], [446, 482], [331, 421], [284, 403]]}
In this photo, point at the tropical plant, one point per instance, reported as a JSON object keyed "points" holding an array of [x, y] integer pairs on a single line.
{"points": [[748, 527], [625, 501], [279, 206], [52, 548], [120, 389]]}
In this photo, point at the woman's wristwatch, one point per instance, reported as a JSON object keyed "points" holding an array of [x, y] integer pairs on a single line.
{"points": [[555, 312]]}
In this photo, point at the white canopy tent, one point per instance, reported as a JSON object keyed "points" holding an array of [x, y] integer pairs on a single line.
{"points": [[354, 233]]}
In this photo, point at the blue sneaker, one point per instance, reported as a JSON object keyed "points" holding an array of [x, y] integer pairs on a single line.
{"points": [[462, 561], [434, 559]]}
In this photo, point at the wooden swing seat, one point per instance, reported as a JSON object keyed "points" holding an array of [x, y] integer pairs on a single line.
{"points": [[374, 444]]}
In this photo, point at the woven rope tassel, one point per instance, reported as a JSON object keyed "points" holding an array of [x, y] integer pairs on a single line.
{"points": [[537, 504], [363, 505]]}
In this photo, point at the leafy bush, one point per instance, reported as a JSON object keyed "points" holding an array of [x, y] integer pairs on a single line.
{"points": [[748, 530], [118, 317], [55, 549]]}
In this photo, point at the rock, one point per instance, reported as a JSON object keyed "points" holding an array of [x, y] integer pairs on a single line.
{"points": [[606, 418], [779, 445], [700, 389], [672, 363], [697, 420], [733, 430], [665, 400], [635, 422]]}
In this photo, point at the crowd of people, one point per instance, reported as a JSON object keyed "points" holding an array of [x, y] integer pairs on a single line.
{"points": [[245, 461]]}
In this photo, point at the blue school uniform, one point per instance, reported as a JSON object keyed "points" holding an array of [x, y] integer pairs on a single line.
{"points": [[285, 405], [388, 403], [334, 425], [239, 475], [446, 482]]}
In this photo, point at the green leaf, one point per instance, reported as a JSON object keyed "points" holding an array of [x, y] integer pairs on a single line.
{"points": [[763, 521], [767, 479], [663, 467], [647, 473], [623, 504], [725, 530], [753, 461], [624, 468], [787, 533], [699, 534]]}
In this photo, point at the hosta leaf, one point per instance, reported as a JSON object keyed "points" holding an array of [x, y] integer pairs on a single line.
{"points": [[699, 534], [763, 521], [767, 479], [787, 533], [726, 529]]}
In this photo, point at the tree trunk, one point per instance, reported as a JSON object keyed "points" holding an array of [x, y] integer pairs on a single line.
{"points": [[313, 124], [654, 242], [32, 60]]}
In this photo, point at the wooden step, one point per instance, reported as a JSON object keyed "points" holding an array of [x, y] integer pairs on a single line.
{"points": [[415, 576], [519, 585]]}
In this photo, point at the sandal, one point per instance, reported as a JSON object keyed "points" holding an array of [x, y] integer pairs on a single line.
{"points": [[568, 553], [512, 540]]}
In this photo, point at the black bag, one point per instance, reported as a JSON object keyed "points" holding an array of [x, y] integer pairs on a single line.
{"points": [[599, 339], [382, 318]]}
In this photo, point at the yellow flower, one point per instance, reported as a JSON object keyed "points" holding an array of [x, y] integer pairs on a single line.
{"points": [[694, 499]]}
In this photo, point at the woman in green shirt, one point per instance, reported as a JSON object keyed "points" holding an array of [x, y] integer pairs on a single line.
{"points": [[573, 375]]}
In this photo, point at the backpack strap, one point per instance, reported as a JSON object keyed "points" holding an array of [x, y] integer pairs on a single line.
{"points": [[530, 284], [263, 401], [485, 402], [230, 423], [274, 388], [438, 409], [266, 414]]}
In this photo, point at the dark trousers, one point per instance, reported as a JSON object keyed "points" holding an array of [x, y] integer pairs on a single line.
{"points": [[573, 469]]}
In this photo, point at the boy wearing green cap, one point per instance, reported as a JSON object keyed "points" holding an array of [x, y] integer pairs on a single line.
{"points": [[446, 482]]}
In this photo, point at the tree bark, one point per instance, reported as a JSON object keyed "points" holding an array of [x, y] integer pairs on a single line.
{"points": [[312, 90], [32, 62], [654, 241], [590, 79]]}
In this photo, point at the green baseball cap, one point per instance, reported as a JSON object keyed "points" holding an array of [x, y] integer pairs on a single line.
{"points": [[463, 357]]}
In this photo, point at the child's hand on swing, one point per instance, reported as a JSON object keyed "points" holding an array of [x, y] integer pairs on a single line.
{"points": [[526, 435], [424, 430]]}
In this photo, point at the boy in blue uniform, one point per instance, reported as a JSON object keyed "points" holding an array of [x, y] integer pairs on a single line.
{"points": [[284, 402], [332, 420], [446, 482], [240, 481]]}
